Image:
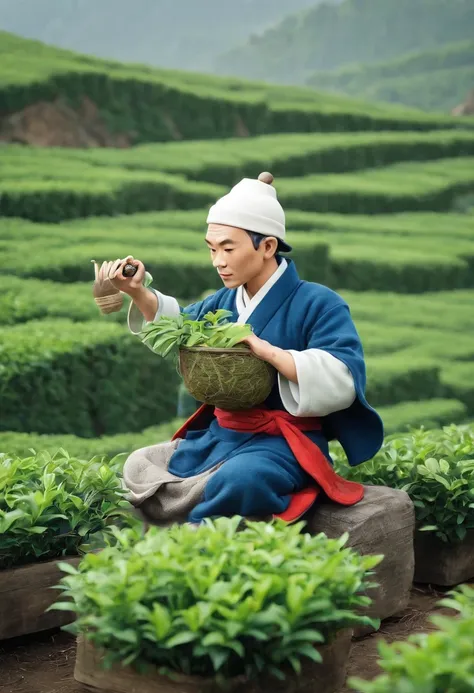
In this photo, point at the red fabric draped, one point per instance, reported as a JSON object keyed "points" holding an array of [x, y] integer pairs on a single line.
{"points": [[307, 453]]}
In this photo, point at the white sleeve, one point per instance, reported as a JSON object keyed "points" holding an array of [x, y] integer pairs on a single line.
{"points": [[167, 306], [325, 384]]}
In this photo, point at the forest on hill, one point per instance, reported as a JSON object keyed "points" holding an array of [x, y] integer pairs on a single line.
{"points": [[328, 36]]}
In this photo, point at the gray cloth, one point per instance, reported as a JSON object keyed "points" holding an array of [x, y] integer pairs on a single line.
{"points": [[160, 495]]}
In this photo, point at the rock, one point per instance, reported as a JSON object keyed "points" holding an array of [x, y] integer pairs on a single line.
{"points": [[382, 523], [439, 563]]}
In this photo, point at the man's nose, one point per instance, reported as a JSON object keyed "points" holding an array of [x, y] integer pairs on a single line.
{"points": [[219, 260]]}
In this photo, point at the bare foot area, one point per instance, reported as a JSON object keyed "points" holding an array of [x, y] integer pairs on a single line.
{"points": [[45, 663]]}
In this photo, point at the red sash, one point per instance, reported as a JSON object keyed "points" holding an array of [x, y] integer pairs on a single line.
{"points": [[307, 453]]}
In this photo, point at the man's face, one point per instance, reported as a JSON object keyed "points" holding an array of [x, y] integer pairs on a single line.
{"points": [[234, 256]]}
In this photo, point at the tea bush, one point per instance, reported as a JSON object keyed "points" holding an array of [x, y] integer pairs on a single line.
{"points": [[20, 444], [437, 662], [429, 413], [86, 378], [78, 189], [435, 468], [215, 600], [50, 505], [225, 161], [74, 190]]}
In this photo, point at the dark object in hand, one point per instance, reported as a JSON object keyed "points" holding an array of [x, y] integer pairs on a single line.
{"points": [[129, 270]]}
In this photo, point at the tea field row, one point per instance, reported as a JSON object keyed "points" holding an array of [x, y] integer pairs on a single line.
{"points": [[407, 253], [412, 354], [67, 190], [226, 161]]}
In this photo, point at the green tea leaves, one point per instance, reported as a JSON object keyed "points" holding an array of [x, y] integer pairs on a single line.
{"points": [[217, 601], [51, 505], [435, 468], [214, 331]]}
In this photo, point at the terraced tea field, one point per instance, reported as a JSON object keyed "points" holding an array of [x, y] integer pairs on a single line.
{"points": [[377, 204]]}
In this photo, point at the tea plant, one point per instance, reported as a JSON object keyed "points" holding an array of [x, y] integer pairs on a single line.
{"points": [[216, 601], [440, 662], [435, 468], [214, 331], [52, 505]]}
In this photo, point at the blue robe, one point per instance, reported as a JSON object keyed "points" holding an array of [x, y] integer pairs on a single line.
{"points": [[260, 473]]}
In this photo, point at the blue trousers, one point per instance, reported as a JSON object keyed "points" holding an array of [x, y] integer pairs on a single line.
{"points": [[251, 484]]}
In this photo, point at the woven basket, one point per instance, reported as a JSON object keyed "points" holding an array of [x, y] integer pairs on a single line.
{"points": [[231, 379]]}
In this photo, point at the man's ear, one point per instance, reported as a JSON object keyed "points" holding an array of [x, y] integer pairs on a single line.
{"points": [[270, 245]]}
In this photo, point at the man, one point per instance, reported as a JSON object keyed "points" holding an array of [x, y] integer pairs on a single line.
{"points": [[272, 461]]}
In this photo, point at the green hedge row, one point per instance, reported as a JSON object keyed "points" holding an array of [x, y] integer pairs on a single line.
{"points": [[154, 105], [226, 161], [82, 190], [24, 299], [85, 378], [392, 379], [430, 413], [70, 192], [85, 448], [178, 270], [401, 187]]}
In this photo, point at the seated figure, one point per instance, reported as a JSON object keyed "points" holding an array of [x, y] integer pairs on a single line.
{"points": [[272, 461]]}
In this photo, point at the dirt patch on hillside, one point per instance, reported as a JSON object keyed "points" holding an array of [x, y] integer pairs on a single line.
{"points": [[55, 124]]}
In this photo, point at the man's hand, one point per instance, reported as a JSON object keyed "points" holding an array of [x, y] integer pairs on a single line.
{"points": [[280, 359], [262, 349], [114, 272]]}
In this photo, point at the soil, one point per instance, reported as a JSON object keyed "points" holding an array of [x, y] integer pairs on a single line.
{"points": [[45, 663], [56, 124]]}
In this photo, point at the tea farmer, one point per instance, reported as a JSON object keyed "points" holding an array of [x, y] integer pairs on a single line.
{"points": [[273, 460]]}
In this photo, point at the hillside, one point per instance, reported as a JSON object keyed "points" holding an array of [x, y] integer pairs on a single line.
{"points": [[55, 97], [357, 31], [431, 80], [182, 34]]}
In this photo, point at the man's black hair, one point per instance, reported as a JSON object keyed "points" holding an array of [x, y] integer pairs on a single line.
{"points": [[257, 238]]}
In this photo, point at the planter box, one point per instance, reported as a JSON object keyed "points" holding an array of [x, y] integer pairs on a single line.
{"points": [[25, 594], [328, 677], [443, 564], [383, 522]]}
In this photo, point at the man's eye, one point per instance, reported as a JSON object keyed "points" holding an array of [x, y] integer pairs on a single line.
{"points": [[229, 250]]}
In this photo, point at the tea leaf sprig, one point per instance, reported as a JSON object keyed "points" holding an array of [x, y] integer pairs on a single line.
{"points": [[51, 505], [215, 601], [214, 330], [435, 468]]}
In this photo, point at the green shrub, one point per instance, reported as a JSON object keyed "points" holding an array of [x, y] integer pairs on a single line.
{"points": [[50, 505], [429, 413], [87, 378], [393, 379], [24, 299], [85, 190], [397, 188], [21, 444], [435, 468], [437, 662], [225, 161], [217, 601]]}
